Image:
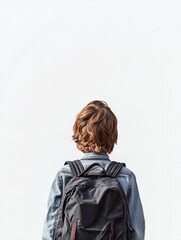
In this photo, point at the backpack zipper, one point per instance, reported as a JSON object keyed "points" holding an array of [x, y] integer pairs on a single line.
{"points": [[73, 230], [111, 235]]}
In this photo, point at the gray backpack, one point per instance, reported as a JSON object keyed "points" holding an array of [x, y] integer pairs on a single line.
{"points": [[94, 206]]}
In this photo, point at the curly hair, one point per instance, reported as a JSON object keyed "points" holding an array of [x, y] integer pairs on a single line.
{"points": [[95, 128]]}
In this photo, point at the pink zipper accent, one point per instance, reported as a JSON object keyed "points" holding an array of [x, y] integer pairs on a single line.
{"points": [[73, 231]]}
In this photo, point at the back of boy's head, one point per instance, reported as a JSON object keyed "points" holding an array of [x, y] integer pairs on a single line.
{"points": [[95, 128]]}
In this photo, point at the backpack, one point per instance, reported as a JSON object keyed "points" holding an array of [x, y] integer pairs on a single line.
{"points": [[94, 206]]}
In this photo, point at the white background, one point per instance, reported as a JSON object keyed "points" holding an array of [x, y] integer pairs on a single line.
{"points": [[55, 57]]}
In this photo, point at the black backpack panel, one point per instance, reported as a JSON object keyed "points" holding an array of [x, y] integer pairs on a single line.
{"points": [[94, 206]]}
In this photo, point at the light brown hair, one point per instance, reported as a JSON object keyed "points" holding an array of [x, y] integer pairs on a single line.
{"points": [[95, 128]]}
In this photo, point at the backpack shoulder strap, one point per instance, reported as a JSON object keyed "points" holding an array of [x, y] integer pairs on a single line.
{"points": [[76, 167], [114, 168]]}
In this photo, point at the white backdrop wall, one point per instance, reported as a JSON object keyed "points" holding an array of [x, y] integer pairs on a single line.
{"points": [[56, 56]]}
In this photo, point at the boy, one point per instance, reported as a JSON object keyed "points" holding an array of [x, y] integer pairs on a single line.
{"points": [[95, 134]]}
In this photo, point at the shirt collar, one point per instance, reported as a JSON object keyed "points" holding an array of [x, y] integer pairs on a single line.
{"points": [[95, 156]]}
